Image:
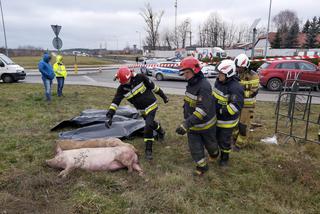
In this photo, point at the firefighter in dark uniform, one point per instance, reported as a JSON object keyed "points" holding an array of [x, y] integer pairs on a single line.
{"points": [[250, 82], [229, 94], [199, 114], [138, 90]]}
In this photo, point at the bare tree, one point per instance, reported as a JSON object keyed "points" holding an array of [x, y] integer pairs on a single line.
{"points": [[285, 19], [183, 30], [152, 20], [167, 38]]}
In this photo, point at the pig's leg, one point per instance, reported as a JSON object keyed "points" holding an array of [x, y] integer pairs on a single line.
{"points": [[137, 168], [126, 159], [65, 172]]}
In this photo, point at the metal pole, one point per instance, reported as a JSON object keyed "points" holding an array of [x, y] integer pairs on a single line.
{"points": [[139, 38], [253, 41], [175, 23], [267, 38], [4, 30]]}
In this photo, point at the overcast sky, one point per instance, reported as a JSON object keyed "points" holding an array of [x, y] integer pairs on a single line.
{"points": [[114, 23]]}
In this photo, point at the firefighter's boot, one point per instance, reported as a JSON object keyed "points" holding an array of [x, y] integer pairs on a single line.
{"points": [[201, 168], [148, 151], [213, 157], [224, 158], [161, 133]]}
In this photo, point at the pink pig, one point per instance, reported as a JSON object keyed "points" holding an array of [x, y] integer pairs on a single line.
{"points": [[96, 159]]}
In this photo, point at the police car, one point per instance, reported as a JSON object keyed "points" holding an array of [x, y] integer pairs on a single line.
{"points": [[167, 71]]}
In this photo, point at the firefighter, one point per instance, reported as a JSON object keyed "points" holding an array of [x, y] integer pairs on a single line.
{"points": [[139, 90], [250, 82], [199, 115], [229, 94]]}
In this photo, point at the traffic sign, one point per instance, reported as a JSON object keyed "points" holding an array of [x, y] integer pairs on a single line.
{"points": [[57, 43], [56, 29]]}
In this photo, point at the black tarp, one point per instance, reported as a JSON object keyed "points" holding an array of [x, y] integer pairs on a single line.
{"points": [[90, 124]]}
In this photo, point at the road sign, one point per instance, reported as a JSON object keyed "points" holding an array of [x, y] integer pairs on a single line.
{"points": [[57, 43], [56, 29]]}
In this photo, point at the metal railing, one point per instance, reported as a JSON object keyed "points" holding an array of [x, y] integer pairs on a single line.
{"points": [[290, 116]]}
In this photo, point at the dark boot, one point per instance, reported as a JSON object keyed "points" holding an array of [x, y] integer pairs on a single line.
{"points": [[200, 170], [161, 133], [213, 157], [148, 151], [224, 158]]}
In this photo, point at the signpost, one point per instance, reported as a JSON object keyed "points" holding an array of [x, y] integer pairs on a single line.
{"points": [[56, 42]]}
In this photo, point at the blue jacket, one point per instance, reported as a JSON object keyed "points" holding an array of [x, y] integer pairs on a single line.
{"points": [[229, 95], [45, 68]]}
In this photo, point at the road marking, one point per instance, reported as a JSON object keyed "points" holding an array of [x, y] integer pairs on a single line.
{"points": [[89, 79]]}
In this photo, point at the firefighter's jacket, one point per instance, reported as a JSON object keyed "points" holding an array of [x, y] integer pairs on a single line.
{"points": [[229, 95], [250, 82], [139, 92], [199, 105]]}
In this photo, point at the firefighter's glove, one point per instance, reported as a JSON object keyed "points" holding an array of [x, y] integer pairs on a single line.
{"points": [[109, 117], [182, 129], [165, 99]]}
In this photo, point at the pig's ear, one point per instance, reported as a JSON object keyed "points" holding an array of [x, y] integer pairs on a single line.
{"points": [[58, 149]]}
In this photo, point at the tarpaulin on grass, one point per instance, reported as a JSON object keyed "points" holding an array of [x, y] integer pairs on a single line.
{"points": [[125, 124], [95, 116]]}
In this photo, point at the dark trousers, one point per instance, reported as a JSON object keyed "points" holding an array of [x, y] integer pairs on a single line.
{"points": [[60, 81], [151, 125], [200, 140], [224, 137]]}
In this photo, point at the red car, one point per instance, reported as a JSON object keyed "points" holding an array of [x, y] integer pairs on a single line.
{"points": [[274, 73]]}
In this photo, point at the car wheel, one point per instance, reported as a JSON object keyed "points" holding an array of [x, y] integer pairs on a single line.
{"points": [[159, 77], [7, 78], [274, 84]]}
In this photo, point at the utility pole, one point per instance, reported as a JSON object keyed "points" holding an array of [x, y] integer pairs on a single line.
{"points": [[175, 23], [267, 37], [4, 30]]}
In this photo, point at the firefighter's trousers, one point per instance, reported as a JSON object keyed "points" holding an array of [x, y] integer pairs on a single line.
{"points": [[198, 141], [224, 137], [241, 132]]}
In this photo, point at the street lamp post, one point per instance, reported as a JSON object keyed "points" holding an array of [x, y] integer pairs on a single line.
{"points": [[139, 39], [4, 30], [267, 37]]}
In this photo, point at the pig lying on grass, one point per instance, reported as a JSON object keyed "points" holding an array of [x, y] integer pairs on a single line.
{"points": [[95, 159], [92, 143]]}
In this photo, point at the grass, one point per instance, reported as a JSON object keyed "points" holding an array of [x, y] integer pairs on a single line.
{"points": [[32, 61], [261, 178]]}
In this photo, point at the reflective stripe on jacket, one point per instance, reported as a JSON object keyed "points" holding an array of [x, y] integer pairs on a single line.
{"points": [[198, 108], [250, 82], [138, 92], [229, 103]]}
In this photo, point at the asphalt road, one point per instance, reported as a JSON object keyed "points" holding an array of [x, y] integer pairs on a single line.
{"points": [[105, 79]]}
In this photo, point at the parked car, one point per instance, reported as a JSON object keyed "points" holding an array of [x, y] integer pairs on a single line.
{"points": [[272, 74], [167, 70], [209, 71], [149, 65], [10, 71]]}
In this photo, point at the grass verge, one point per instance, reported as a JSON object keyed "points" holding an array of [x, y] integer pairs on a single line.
{"points": [[260, 179], [32, 61]]}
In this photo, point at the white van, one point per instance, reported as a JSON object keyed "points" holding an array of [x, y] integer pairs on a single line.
{"points": [[10, 71]]}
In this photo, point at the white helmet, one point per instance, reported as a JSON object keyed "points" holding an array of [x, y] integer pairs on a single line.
{"points": [[242, 61], [227, 67]]}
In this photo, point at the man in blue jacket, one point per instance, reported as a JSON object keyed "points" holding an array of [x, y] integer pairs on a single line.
{"points": [[47, 74]]}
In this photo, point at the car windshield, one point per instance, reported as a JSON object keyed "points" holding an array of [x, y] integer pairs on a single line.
{"points": [[265, 65], [7, 60]]}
